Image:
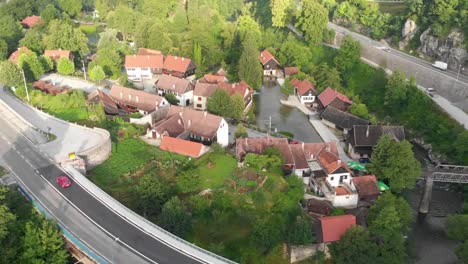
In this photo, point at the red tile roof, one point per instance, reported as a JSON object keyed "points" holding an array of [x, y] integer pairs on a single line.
{"points": [[265, 56], [182, 147], [341, 191], [330, 94], [139, 99], [241, 88], [303, 86], [291, 70], [144, 51], [330, 162], [204, 89], [221, 72], [153, 61], [333, 227], [58, 54], [171, 83], [366, 185], [177, 64], [31, 21], [14, 57], [212, 78], [309, 151]]}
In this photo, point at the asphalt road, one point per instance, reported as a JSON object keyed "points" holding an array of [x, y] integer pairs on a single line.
{"points": [[92, 222]]}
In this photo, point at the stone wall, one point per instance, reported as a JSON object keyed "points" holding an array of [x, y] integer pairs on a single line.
{"points": [[98, 154]]}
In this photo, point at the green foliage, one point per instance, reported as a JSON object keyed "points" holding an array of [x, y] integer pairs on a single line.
{"points": [[294, 52], [461, 147], [3, 50], [401, 206], [174, 217], [10, 75], [348, 56], [96, 73], [457, 227], [31, 65], [153, 192], [62, 35], [6, 217], [33, 39], [250, 70], [220, 103], [313, 21], [462, 252], [248, 28], [395, 162], [110, 61], [188, 181], [171, 98], [71, 7], [338, 211], [241, 132], [65, 66], [47, 63], [355, 246], [49, 13], [10, 31], [326, 76], [267, 233], [124, 19], [260, 162], [280, 10], [395, 97], [301, 232], [359, 110]]}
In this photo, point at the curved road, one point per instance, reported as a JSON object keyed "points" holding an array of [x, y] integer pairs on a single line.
{"points": [[108, 234]]}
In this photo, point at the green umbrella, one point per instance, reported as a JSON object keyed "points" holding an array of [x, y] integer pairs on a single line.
{"points": [[354, 165], [382, 186]]}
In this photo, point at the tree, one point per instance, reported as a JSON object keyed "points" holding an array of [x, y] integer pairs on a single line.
{"points": [[152, 192], [3, 49], [197, 58], [96, 73], [386, 223], [108, 39], [49, 13], [461, 147], [250, 70], [6, 217], [457, 227], [241, 131], [10, 31], [405, 213], [359, 110], [396, 90], [247, 26], [71, 7], [62, 35], [348, 56], [294, 52], [395, 162], [326, 76], [188, 181], [267, 233], [32, 40], [10, 75], [219, 103], [462, 252], [237, 107], [110, 61], [171, 98], [43, 243], [174, 217], [354, 247], [300, 233], [279, 11], [65, 66], [313, 21], [124, 19], [47, 63], [31, 65]]}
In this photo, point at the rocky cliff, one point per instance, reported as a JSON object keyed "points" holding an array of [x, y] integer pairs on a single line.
{"points": [[449, 50]]}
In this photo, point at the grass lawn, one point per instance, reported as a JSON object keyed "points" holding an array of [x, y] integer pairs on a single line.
{"points": [[214, 168]]}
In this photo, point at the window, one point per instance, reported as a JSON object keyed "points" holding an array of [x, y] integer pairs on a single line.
{"points": [[199, 106], [137, 99], [129, 97], [332, 178], [199, 98]]}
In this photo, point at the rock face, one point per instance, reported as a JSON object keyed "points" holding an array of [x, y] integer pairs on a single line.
{"points": [[409, 30], [448, 50]]}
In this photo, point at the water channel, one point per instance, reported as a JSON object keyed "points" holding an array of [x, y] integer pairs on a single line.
{"points": [[283, 118]]}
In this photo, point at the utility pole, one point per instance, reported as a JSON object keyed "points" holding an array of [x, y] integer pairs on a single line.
{"points": [[25, 86], [84, 70]]}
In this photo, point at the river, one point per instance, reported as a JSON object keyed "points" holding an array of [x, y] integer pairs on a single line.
{"points": [[430, 243], [283, 118]]}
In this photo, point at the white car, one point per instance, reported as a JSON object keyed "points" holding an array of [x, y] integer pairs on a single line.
{"points": [[430, 92]]}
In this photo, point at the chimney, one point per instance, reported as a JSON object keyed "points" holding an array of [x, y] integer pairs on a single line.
{"points": [[173, 86], [183, 58], [367, 131], [233, 85], [302, 146], [180, 114], [339, 162], [189, 122], [147, 56]]}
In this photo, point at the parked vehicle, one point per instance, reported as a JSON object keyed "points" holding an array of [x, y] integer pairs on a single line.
{"points": [[430, 92], [440, 65], [63, 181]]}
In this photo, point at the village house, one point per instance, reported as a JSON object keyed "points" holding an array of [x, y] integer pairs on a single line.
{"points": [[201, 93], [331, 97], [136, 101], [213, 78], [241, 88], [362, 139], [182, 89], [269, 63], [305, 91], [183, 147], [143, 65], [14, 57], [367, 188], [340, 120], [110, 106], [317, 164], [290, 71], [331, 228], [58, 54], [178, 66], [190, 124], [31, 21]]}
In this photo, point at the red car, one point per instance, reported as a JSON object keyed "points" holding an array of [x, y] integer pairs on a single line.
{"points": [[63, 181]]}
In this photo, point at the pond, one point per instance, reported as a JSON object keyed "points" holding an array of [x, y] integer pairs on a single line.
{"points": [[283, 118]]}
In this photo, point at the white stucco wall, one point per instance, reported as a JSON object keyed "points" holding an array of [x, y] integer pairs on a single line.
{"points": [[202, 102], [334, 179], [346, 201], [135, 74], [223, 133], [186, 96]]}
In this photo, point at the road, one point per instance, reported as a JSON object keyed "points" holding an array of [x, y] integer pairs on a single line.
{"points": [[81, 213]]}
